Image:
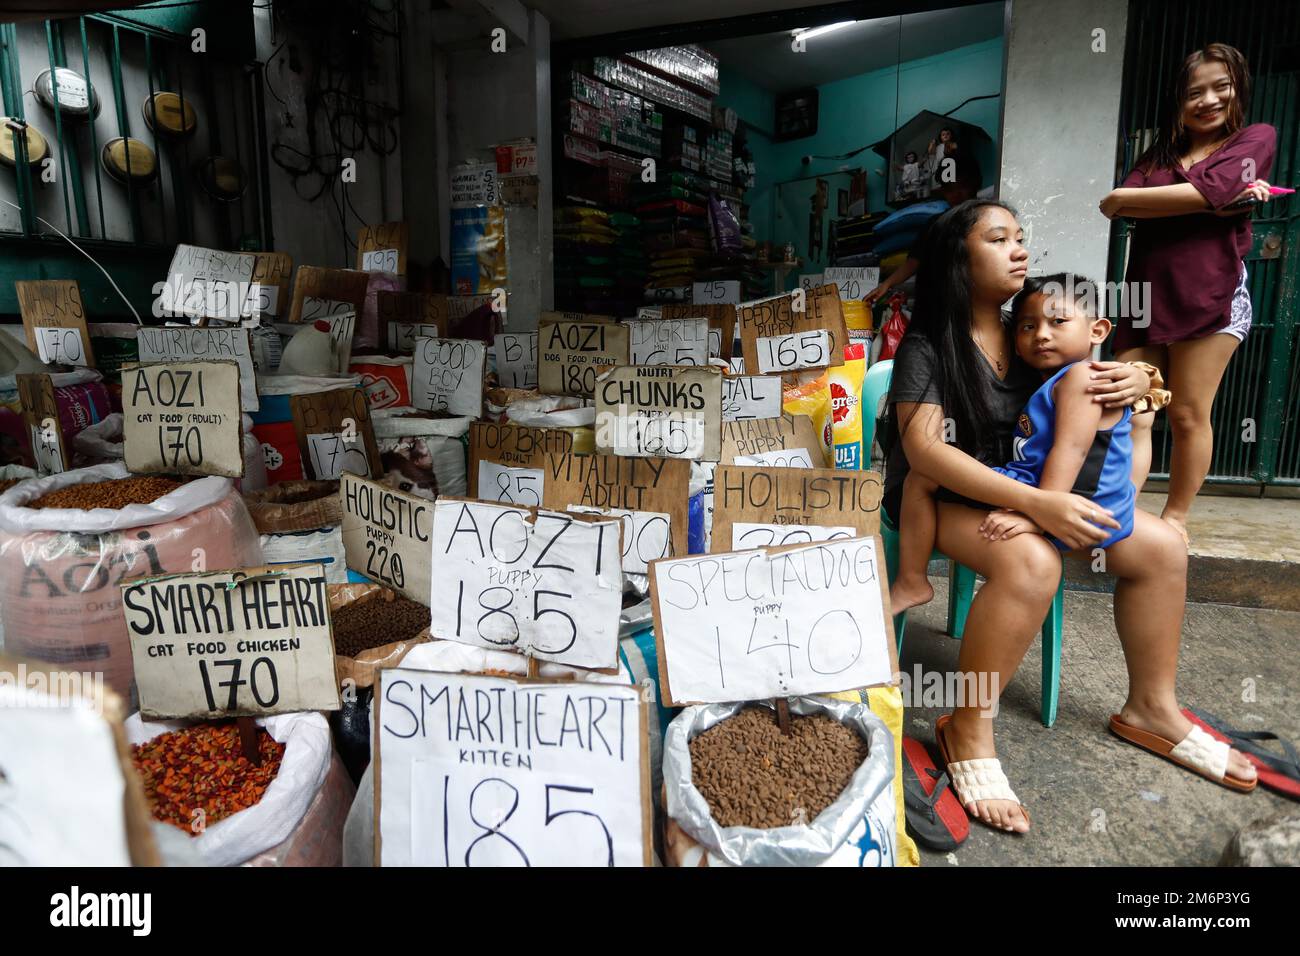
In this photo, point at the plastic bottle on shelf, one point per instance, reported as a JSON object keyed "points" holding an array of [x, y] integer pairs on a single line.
{"points": [[310, 352]]}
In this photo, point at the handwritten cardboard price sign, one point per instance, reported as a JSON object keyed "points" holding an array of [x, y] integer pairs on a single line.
{"points": [[725, 291], [335, 433], [249, 642], [852, 282], [165, 344], [404, 316], [749, 625], [660, 411], [541, 583], [41, 415], [721, 317], [516, 359], [547, 774], [507, 461], [183, 418], [776, 338], [668, 341], [790, 498], [386, 535], [747, 397], [54, 319], [572, 354], [382, 248], [754, 437], [448, 376], [208, 283], [314, 288], [269, 291]]}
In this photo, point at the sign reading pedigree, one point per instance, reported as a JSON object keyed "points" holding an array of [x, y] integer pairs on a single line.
{"points": [[404, 316], [334, 433], [777, 337], [249, 642], [660, 411], [559, 770], [794, 497], [54, 319], [521, 579], [808, 619], [382, 248], [668, 341], [314, 287], [448, 376], [41, 416], [173, 344], [386, 535], [182, 418], [571, 354], [722, 322]]}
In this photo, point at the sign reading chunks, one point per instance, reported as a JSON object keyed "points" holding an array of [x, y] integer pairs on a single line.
{"points": [[248, 642], [722, 322], [183, 418], [447, 375], [781, 622], [334, 433], [788, 499], [507, 461], [668, 341], [776, 337], [386, 535], [516, 359], [319, 293], [404, 316], [546, 773], [661, 411], [170, 344], [541, 583], [572, 353], [644, 488], [55, 321], [41, 416], [382, 248]]}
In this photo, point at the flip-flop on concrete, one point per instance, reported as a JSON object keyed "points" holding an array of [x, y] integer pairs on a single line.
{"points": [[934, 817], [1279, 774], [976, 780], [1198, 752]]}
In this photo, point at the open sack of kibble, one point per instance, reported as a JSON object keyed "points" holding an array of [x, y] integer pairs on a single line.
{"points": [[102, 442], [858, 828], [299, 818], [360, 667]]}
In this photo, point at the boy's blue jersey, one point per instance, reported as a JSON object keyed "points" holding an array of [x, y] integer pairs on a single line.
{"points": [[1107, 473]]}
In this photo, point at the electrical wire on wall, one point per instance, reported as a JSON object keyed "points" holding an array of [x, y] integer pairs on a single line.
{"points": [[333, 46]]}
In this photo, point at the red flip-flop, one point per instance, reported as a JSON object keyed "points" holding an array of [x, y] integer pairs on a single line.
{"points": [[934, 817], [1280, 774]]}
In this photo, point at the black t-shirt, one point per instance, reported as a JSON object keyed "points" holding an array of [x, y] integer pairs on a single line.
{"points": [[918, 377]]}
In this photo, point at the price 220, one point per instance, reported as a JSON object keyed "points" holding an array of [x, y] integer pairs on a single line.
{"points": [[389, 569]]}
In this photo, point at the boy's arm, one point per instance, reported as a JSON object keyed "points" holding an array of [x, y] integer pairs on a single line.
{"points": [[1077, 418]]}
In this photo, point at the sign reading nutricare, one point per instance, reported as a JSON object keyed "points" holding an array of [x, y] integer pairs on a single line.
{"points": [[249, 642], [386, 535], [171, 344], [543, 774], [183, 418]]}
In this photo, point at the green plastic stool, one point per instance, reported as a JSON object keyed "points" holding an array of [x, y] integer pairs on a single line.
{"points": [[961, 579]]}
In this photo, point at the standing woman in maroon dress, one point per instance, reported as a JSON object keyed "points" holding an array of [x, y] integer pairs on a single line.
{"points": [[1188, 248]]}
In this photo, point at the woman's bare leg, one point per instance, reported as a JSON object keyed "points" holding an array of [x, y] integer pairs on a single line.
{"points": [[1158, 356], [917, 527], [1195, 370], [1021, 575], [1150, 569]]}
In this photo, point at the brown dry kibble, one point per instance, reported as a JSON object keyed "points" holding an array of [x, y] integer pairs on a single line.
{"points": [[7, 484], [752, 775], [115, 494], [383, 619]]}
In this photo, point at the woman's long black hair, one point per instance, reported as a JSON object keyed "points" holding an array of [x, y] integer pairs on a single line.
{"points": [[1171, 140], [942, 317]]}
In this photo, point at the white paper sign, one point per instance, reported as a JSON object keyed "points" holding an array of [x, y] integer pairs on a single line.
{"points": [[854, 282], [786, 353], [261, 300], [668, 341], [342, 327], [750, 396], [196, 344], [379, 260], [650, 312], [182, 418], [510, 485], [543, 774], [314, 308], [747, 534], [516, 359], [60, 346], [810, 280], [647, 535], [448, 375], [402, 335], [805, 621], [47, 446], [251, 642], [715, 343], [736, 366], [781, 458], [474, 184], [546, 585], [331, 454], [386, 535], [208, 282], [717, 292]]}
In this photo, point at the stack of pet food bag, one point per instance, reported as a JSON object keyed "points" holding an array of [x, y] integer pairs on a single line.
{"points": [[392, 552]]}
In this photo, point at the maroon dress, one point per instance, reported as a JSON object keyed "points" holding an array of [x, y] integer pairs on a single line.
{"points": [[1193, 262]]}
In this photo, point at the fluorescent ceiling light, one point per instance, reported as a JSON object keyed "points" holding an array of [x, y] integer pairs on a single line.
{"points": [[818, 31]]}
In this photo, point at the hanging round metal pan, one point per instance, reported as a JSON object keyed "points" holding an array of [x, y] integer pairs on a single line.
{"points": [[221, 178], [77, 97], [163, 112], [38, 147], [144, 164]]}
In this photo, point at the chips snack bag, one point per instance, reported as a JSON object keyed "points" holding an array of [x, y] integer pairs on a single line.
{"points": [[846, 406], [814, 400]]}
